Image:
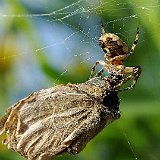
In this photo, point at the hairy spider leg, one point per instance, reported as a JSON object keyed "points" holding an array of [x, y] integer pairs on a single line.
{"points": [[134, 43], [136, 72], [99, 73], [103, 29], [94, 68]]}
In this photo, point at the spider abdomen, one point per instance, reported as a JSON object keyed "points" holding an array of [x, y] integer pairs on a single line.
{"points": [[113, 45]]}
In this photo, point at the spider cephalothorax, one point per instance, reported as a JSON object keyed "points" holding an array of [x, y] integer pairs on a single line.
{"points": [[116, 51]]}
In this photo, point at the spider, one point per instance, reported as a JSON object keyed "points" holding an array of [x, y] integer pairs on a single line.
{"points": [[116, 52]]}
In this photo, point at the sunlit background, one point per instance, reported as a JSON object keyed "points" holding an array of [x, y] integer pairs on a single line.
{"points": [[49, 42]]}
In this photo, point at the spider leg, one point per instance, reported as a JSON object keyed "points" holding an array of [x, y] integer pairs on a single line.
{"points": [[136, 71], [94, 68], [102, 26], [99, 73], [134, 43], [123, 81]]}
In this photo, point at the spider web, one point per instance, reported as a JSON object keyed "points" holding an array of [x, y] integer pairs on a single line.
{"points": [[66, 33]]}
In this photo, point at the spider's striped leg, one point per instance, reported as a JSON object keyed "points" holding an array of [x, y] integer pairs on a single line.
{"points": [[136, 72], [134, 44], [102, 26], [94, 68], [99, 73], [123, 81]]}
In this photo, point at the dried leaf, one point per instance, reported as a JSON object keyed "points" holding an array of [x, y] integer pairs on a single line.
{"points": [[60, 119]]}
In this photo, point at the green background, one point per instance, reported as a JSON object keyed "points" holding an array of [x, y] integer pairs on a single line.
{"points": [[43, 43]]}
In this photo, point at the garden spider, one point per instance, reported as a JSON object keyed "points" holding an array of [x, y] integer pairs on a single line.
{"points": [[116, 51]]}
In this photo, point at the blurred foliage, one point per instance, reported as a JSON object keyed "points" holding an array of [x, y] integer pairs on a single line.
{"points": [[27, 65]]}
